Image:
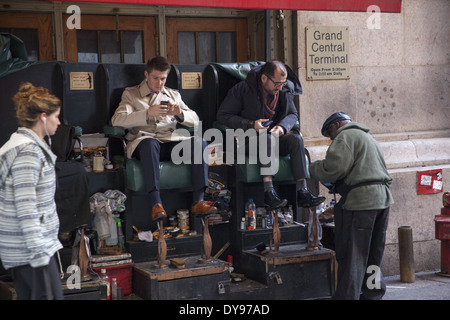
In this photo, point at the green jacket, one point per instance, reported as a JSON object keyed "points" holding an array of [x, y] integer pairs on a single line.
{"points": [[355, 157]]}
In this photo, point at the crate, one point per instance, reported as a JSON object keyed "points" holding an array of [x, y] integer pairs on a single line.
{"points": [[123, 273], [196, 280], [293, 272]]}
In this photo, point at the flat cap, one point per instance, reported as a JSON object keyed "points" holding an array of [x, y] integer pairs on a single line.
{"points": [[335, 117]]}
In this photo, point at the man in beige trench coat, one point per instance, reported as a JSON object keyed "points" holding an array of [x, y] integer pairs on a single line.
{"points": [[150, 111]]}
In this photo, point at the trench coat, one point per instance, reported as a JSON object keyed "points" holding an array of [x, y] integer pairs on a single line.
{"points": [[131, 114]]}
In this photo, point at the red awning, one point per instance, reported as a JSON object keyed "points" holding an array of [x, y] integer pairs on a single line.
{"points": [[315, 5]]}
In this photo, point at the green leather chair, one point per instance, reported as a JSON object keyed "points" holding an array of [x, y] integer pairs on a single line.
{"points": [[174, 179], [228, 74], [172, 176], [250, 172], [247, 180], [120, 76]]}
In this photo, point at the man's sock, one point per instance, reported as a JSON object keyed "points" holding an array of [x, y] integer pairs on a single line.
{"points": [[268, 186], [155, 197], [301, 186], [198, 195]]}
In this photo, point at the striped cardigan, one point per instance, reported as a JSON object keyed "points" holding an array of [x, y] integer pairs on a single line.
{"points": [[29, 222]]}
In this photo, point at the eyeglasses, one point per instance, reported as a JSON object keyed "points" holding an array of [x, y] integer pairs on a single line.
{"points": [[277, 84]]}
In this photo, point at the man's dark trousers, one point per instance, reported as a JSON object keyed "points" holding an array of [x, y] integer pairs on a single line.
{"points": [[150, 152], [289, 144], [360, 238]]}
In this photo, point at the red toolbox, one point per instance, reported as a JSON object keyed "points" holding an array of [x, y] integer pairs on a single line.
{"points": [[123, 273]]}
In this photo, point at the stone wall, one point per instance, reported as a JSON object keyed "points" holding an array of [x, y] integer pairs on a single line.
{"points": [[399, 87]]}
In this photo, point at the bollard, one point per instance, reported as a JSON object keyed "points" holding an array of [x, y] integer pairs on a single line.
{"points": [[406, 255]]}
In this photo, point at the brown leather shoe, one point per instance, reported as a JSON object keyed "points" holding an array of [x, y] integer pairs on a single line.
{"points": [[158, 212], [201, 208]]}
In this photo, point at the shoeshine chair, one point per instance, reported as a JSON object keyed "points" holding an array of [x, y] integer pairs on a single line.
{"points": [[219, 78], [172, 176], [223, 77]]}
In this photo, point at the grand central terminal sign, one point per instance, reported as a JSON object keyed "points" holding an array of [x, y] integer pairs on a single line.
{"points": [[327, 52]]}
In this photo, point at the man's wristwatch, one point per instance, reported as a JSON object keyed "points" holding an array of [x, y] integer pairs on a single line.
{"points": [[251, 124]]}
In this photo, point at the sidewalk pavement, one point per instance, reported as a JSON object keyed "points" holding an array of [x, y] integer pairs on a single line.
{"points": [[427, 286]]}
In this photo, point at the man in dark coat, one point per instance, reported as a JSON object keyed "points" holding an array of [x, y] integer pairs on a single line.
{"points": [[264, 102]]}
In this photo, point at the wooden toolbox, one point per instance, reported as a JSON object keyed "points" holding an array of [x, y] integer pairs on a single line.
{"points": [[197, 280], [293, 272]]}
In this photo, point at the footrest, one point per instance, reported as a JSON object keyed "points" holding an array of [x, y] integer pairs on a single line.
{"points": [[293, 272], [197, 280]]}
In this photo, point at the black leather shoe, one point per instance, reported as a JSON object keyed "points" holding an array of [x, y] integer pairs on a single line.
{"points": [[272, 200], [308, 200]]}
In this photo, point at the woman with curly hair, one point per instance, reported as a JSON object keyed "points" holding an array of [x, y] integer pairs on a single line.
{"points": [[29, 222]]}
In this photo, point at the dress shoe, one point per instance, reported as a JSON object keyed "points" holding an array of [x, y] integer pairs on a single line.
{"points": [[158, 212], [306, 199], [201, 208], [273, 201]]}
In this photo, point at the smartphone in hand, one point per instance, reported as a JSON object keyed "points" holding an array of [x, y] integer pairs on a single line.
{"points": [[165, 105]]}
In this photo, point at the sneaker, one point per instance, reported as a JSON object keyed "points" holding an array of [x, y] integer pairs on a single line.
{"points": [[273, 201], [158, 212], [201, 208], [308, 200]]}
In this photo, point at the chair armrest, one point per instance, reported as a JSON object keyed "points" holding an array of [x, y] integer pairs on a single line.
{"points": [[78, 132], [220, 126], [113, 131], [189, 129], [117, 133], [223, 127]]}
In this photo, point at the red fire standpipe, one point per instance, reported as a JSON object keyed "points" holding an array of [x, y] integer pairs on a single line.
{"points": [[442, 232]]}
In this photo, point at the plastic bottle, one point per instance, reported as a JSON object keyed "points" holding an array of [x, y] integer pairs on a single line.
{"points": [[243, 223], [259, 215], [250, 209], [289, 215], [246, 219], [114, 289], [269, 220], [112, 240], [105, 278], [264, 221], [120, 237]]}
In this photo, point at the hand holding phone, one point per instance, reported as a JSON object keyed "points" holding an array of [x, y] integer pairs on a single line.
{"points": [[259, 124], [157, 110], [164, 105], [174, 110]]}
